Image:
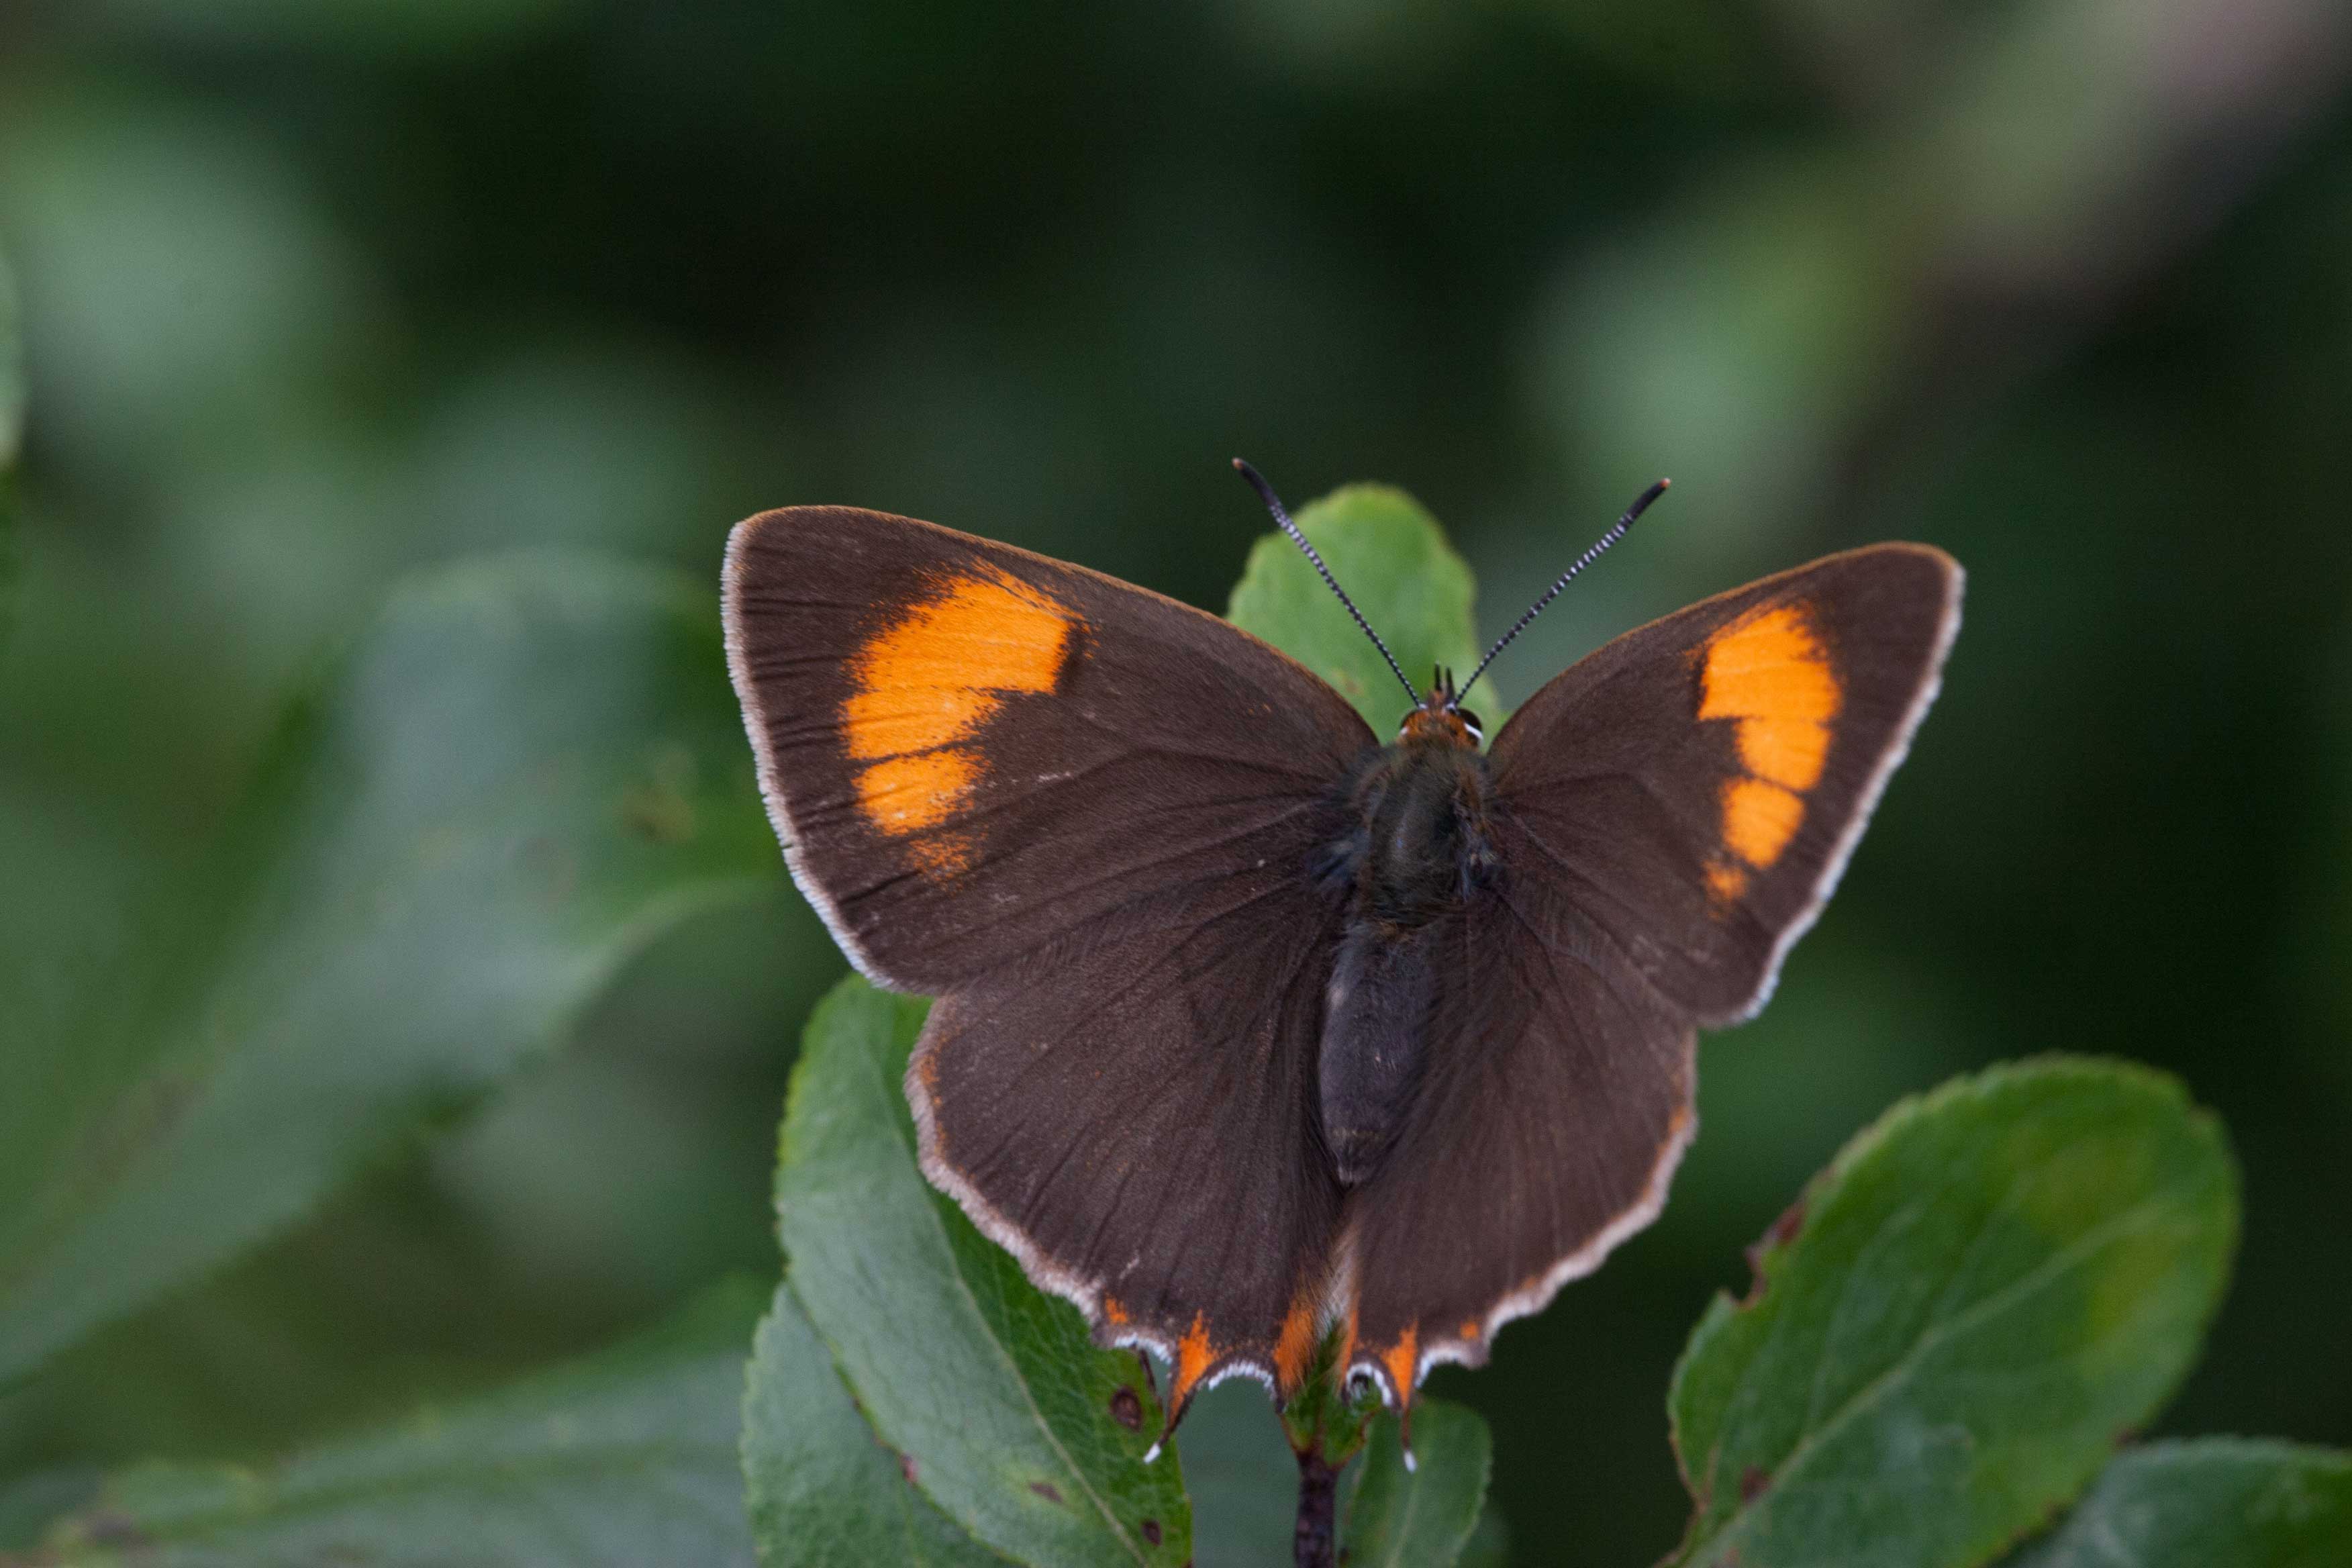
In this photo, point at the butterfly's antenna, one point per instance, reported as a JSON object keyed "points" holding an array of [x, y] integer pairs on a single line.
{"points": [[1616, 531], [1274, 504]]}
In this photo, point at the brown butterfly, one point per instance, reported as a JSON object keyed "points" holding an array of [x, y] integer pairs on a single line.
{"points": [[1250, 1027]]}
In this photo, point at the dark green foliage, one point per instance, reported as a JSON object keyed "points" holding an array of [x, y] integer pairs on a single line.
{"points": [[12, 432], [2215, 1502], [525, 770], [626, 1458]]}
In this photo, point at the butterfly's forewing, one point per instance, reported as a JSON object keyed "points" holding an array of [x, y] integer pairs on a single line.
{"points": [[1670, 815], [1699, 782], [1082, 815]]}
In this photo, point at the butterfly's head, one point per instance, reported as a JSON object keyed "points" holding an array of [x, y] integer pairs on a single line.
{"points": [[1439, 719]]}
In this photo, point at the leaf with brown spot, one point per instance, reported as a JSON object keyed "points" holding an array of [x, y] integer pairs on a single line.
{"points": [[1983, 1289], [992, 1387], [822, 1491]]}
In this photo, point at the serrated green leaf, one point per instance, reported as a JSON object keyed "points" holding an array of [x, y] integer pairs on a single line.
{"points": [[2214, 1502], [628, 1457], [1946, 1338], [992, 1390], [822, 1488], [1422, 1517], [524, 772], [1395, 563]]}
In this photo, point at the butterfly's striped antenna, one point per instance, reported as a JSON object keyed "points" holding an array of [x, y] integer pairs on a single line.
{"points": [[1616, 531], [1274, 504]]}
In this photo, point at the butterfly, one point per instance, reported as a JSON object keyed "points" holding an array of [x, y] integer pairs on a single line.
{"points": [[1251, 1029]]}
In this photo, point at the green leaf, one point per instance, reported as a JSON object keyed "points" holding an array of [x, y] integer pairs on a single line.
{"points": [[628, 1457], [1243, 1478], [1395, 563], [822, 1490], [525, 771], [1949, 1333], [1422, 1517], [994, 1392], [1489, 1545], [2216, 1502]]}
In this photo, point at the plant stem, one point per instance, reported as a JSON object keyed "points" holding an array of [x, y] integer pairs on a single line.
{"points": [[1318, 1504]]}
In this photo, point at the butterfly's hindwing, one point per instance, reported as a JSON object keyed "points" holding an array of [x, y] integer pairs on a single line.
{"points": [[1556, 1103]]}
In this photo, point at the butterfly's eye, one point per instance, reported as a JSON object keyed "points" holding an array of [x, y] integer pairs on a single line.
{"points": [[1478, 725]]}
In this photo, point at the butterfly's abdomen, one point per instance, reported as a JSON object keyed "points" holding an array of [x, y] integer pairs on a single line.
{"points": [[1417, 849]]}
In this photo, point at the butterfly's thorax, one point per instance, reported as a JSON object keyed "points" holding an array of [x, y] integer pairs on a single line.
{"points": [[1416, 850]]}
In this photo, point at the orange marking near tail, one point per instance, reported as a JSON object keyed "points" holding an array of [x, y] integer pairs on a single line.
{"points": [[1116, 1313], [1295, 1349], [1403, 1360], [1470, 1331], [928, 682], [1194, 1355]]}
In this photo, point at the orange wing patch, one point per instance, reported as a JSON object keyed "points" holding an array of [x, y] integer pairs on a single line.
{"points": [[1194, 1355], [924, 686], [1760, 819], [1771, 676]]}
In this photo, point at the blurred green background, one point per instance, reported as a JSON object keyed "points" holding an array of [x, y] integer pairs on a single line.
{"points": [[318, 293]]}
